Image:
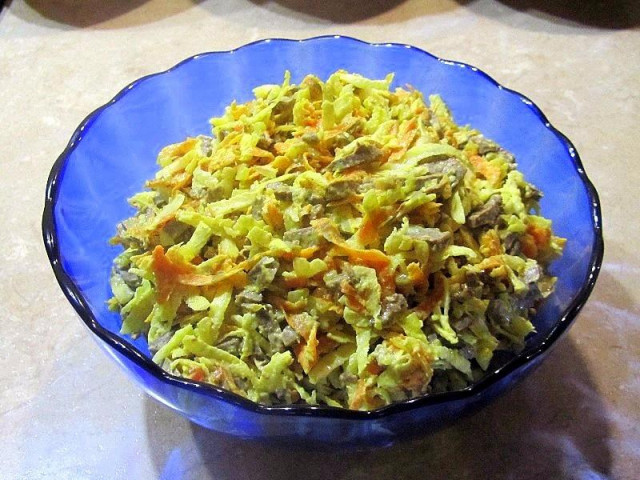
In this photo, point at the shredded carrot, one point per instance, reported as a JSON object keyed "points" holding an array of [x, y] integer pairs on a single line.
{"points": [[325, 344], [369, 231], [528, 245], [195, 279], [175, 182], [363, 397], [197, 374], [295, 282], [405, 141], [374, 369], [541, 235], [416, 274], [359, 395], [306, 253], [490, 172], [260, 153], [273, 216], [171, 270], [387, 280], [167, 271], [372, 257], [301, 324], [490, 243], [311, 122], [176, 150], [354, 302], [307, 351], [490, 263], [434, 297]]}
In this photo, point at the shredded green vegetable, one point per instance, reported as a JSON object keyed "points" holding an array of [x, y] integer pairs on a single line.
{"points": [[334, 243]]}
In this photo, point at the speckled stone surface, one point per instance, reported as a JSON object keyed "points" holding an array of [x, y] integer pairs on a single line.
{"points": [[67, 412]]}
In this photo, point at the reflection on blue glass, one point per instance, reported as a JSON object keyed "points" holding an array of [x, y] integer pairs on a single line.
{"points": [[174, 466], [117, 152]]}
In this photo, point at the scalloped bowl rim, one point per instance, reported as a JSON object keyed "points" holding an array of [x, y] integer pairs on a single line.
{"points": [[77, 300]]}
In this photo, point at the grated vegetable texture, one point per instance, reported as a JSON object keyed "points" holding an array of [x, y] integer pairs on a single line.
{"points": [[336, 243]]}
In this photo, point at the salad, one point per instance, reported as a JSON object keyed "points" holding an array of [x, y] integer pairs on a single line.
{"points": [[336, 243]]}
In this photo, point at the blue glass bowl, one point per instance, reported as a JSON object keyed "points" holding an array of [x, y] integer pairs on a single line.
{"points": [[114, 150]]}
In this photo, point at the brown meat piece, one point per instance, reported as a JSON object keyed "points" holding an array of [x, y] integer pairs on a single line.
{"points": [[206, 148], [340, 189], [487, 214], [451, 167], [310, 138], [393, 306], [281, 191], [303, 237], [486, 146], [433, 236], [247, 296], [263, 272], [363, 154], [283, 110]]}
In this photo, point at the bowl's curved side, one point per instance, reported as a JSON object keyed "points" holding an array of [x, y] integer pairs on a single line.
{"points": [[112, 152], [196, 405]]}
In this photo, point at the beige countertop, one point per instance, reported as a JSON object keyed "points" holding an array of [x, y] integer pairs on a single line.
{"points": [[66, 411]]}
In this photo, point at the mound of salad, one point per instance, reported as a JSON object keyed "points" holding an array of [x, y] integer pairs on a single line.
{"points": [[334, 243]]}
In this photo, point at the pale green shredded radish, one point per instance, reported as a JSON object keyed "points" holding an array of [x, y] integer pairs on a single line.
{"points": [[336, 243]]}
